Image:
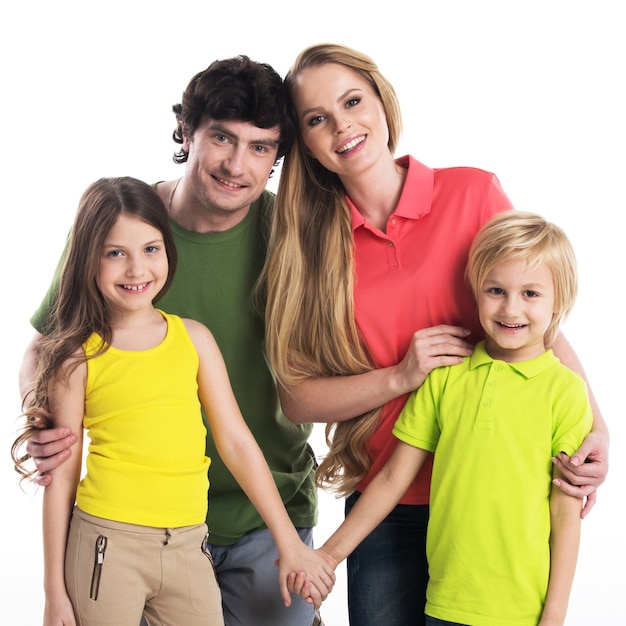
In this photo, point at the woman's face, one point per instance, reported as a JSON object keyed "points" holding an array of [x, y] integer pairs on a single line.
{"points": [[341, 118]]}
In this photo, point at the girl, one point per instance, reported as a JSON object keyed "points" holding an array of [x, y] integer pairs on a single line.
{"points": [[135, 378]]}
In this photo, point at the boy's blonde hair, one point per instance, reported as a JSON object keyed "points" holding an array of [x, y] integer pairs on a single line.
{"points": [[521, 236]]}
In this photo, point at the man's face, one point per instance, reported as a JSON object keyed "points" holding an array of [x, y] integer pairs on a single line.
{"points": [[229, 164]]}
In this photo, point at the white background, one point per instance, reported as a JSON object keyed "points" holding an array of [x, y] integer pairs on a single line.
{"points": [[533, 91]]}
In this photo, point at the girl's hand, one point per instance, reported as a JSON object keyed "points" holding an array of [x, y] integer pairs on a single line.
{"points": [[58, 611], [306, 572], [297, 583]]}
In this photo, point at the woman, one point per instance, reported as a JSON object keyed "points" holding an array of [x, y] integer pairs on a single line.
{"points": [[366, 295]]}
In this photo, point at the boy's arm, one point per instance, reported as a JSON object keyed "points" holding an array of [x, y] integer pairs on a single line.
{"points": [[67, 401], [376, 502], [565, 526]]}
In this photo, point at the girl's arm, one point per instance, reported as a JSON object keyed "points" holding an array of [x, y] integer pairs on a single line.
{"points": [[67, 401], [243, 457], [585, 471], [564, 542], [340, 398]]}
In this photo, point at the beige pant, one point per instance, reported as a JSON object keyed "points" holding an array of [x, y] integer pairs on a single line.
{"points": [[114, 572]]}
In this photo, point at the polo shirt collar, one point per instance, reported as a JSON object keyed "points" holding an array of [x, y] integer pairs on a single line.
{"points": [[528, 369], [416, 197]]}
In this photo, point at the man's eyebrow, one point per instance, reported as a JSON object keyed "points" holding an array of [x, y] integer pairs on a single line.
{"points": [[216, 126]]}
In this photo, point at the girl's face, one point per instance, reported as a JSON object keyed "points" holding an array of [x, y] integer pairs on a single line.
{"points": [[341, 118], [133, 264], [515, 306]]}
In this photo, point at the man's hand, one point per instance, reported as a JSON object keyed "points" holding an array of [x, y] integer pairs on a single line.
{"points": [[585, 470], [48, 449]]}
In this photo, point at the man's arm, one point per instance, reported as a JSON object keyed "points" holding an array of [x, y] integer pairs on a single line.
{"points": [[48, 448], [586, 469]]}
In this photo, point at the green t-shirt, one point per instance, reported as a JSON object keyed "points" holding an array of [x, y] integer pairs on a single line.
{"points": [[213, 282]]}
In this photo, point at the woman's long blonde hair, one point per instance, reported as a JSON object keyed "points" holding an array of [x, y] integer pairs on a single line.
{"points": [[308, 279]]}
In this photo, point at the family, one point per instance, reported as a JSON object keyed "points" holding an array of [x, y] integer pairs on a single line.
{"points": [[412, 310]]}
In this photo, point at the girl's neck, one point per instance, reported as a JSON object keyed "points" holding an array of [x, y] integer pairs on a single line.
{"points": [[138, 330]]}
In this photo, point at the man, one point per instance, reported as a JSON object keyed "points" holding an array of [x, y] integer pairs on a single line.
{"points": [[233, 126]]}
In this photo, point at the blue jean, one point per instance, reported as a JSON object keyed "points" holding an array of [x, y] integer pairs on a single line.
{"points": [[388, 572], [433, 621]]}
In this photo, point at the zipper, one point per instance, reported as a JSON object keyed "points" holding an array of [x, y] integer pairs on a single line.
{"points": [[101, 544]]}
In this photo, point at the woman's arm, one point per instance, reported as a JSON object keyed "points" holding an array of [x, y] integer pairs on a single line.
{"points": [[564, 543], [586, 470], [243, 457], [340, 398], [67, 401]]}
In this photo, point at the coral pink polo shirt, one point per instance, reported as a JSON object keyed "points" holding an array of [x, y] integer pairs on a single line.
{"points": [[413, 277]]}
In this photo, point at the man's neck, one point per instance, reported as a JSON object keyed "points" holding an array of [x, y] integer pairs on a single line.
{"points": [[194, 216]]}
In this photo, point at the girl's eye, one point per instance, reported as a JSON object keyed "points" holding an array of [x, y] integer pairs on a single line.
{"points": [[151, 249], [314, 121], [114, 253], [531, 294], [497, 291], [352, 102]]}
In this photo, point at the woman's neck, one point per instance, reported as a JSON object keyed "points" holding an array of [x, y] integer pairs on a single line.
{"points": [[377, 192]]}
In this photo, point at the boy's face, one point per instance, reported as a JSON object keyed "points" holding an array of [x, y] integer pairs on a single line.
{"points": [[515, 307]]}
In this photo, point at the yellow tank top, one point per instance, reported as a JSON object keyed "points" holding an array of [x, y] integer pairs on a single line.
{"points": [[146, 461]]}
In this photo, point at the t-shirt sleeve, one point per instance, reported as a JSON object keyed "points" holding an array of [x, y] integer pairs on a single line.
{"points": [[573, 417], [418, 423], [40, 320]]}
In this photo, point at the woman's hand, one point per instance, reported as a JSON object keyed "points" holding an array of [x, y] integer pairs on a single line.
{"points": [[430, 348]]}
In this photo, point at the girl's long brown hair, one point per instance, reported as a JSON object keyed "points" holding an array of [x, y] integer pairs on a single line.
{"points": [[79, 309]]}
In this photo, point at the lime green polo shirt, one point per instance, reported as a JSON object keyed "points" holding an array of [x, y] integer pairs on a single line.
{"points": [[494, 427]]}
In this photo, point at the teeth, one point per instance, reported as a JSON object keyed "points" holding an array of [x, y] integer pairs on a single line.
{"points": [[228, 183], [135, 287], [351, 144]]}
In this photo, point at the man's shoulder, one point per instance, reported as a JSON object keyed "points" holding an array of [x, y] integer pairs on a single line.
{"points": [[265, 202]]}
